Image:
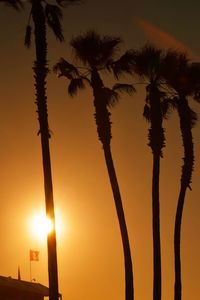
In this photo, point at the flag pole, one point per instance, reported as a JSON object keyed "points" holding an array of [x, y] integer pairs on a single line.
{"points": [[19, 274], [30, 272], [33, 256]]}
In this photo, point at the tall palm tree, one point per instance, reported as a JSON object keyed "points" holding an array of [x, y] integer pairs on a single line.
{"points": [[43, 13], [95, 54], [182, 77], [147, 64]]}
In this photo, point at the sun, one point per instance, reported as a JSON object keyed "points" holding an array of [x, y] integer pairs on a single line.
{"points": [[41, 226]]}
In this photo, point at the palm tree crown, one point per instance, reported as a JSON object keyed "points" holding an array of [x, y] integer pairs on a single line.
{"points": [[94, 51], [96, 54]]}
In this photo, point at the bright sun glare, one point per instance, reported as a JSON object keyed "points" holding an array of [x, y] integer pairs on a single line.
{"points": [[41, 226]]}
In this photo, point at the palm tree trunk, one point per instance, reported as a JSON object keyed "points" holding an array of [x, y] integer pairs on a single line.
{"points": [[41, 70], [103, 123], [186, 120], [156, 142], [177, 244], [156, 228], [129, 292]]}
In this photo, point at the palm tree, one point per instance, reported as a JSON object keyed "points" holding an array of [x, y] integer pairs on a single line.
{"points": [[182, 77], [95, 53], [147, 64], [43, 13]]}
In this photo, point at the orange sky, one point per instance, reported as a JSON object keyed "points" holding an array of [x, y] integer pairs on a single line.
{"points": [[90, 251]]}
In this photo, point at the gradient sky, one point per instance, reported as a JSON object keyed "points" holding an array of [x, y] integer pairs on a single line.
{"points": [[89, 249]]}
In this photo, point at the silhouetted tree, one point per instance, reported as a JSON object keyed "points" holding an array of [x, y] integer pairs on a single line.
{"points": [[182, 77], [95, 54], [147, 64], [43, 13]]}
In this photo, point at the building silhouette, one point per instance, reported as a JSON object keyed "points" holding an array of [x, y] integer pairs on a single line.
{"points": [[16, 289]]}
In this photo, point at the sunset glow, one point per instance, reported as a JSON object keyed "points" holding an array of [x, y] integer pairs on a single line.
{"points": [[41, 226], [89, 244]]}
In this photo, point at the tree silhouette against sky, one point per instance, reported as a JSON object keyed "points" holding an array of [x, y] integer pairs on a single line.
{"points": [[95, 53], [43, 13], [40, 15], [148, 64], [182, 77]]}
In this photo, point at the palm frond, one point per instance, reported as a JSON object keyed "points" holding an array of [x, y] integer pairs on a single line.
{"points": [[93, 50], [148, 62], [110, 96], [185, 112], [75, 85], [109, 46], [124, 87], [176, 60], [194, 74], [167, 105], [125, 64], [54, 15], [16, 4], [27, 39], [193, 117], [178, 73], [64, 68], [147, 113]]}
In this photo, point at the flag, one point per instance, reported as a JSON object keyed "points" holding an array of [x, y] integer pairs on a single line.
{"points": [[34, 255]]}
